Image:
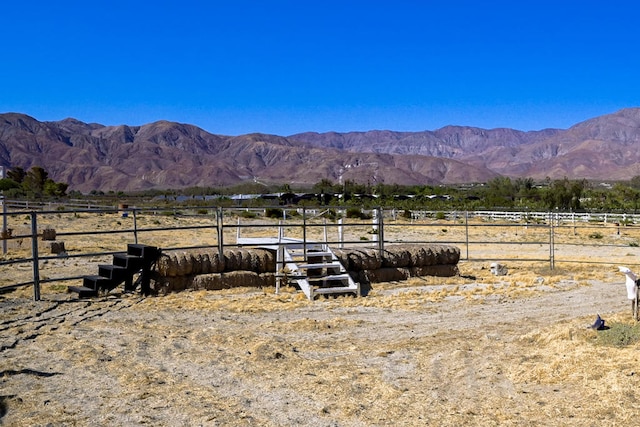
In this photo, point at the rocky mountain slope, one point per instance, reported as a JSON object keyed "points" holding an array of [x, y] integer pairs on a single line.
{"points": [[174, 155]]}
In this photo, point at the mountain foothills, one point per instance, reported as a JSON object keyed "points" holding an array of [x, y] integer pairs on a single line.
{"points": [[163, 155]]}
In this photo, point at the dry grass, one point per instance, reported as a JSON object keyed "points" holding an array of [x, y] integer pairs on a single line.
{"points": [[475, 349]]}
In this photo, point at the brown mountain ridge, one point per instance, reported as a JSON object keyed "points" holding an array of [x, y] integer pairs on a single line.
{"points": [[165, 154]]}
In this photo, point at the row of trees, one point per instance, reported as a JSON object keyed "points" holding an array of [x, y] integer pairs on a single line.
{"points": [[499, 193], [33, 183]]}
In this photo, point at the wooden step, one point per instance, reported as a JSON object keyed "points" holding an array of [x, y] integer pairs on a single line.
{"points": [[330, 278], [321, 265], [95, 282], [309, 254], [112, 272], [132, 263], [147, 252], [83, 291], [335, 290]]}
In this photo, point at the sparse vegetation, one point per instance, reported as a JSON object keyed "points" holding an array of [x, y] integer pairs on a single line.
{"points": [[619, 335]]}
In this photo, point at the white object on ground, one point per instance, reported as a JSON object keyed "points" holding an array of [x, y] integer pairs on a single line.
{"points": [[498, 269]]}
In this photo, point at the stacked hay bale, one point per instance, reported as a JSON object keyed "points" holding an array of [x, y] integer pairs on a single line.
{"points": [[400, 262], [207, 269], [244, 267]]}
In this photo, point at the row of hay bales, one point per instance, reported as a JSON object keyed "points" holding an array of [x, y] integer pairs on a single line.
{"points": [[254, 267]]}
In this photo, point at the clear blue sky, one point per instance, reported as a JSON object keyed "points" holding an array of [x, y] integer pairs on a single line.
{"points": [[282, 67]]}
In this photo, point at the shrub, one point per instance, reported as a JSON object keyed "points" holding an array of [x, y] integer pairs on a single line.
{"points": [[354, 213], [273, 213], [440, 215], [596, 235], [330, 214]]}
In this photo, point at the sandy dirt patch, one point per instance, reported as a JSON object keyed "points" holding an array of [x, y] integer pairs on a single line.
{"points": [[478, 350]]}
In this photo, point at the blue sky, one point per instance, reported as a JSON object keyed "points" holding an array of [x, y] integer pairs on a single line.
{"points": [[282, 67]]}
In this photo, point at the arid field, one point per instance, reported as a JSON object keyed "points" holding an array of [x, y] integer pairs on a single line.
{"points": [[473, 349]]}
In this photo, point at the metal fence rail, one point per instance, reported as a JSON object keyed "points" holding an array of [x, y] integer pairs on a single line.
{"points": [[482, 236]]}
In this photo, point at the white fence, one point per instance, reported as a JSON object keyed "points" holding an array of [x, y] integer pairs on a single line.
{"points": [[535, 217]]}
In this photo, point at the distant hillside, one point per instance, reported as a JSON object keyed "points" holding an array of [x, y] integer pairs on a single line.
{"points": [[174, 155]]}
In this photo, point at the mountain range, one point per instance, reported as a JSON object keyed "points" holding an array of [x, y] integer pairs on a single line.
{"points": [[169, 155]]}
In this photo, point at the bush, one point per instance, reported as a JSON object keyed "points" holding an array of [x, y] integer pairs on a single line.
{"points": [[440, 215], [273, 213], [330, 214], [354, 213], [596, 235], [247, 214]]}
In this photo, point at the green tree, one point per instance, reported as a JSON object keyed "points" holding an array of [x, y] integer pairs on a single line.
{"points": [[8, 184], [35, 180], [564, 194], [634, 182], [17, 174], [500, 192], [57, 189]]}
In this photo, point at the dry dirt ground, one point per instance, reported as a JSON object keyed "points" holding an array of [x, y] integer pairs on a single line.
{"points": [[476, 350]]}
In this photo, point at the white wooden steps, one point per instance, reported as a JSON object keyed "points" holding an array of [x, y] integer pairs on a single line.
{"points": [[312, 266], [316, 270]]}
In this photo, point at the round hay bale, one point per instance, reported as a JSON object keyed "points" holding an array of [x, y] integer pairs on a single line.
{"points": [[176, 284], [371, 259], [244, 259], [417, 255], [446, 270], [354, 261], [386, 275], [196, 262], [211, 281], [202, 264], [263, 261], [446, 254], [167, 265], [185, 264], [396, 257], [268, 279], [343, 256], [216, 262], [231, 262], [238, 279]]}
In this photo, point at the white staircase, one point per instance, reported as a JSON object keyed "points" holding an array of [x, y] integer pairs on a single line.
{"points": [[315, 269]]}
